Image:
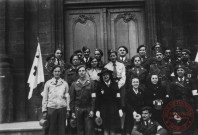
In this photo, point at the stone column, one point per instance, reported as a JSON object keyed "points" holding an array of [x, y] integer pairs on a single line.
{"points": [[6, 96], [150, 23]]}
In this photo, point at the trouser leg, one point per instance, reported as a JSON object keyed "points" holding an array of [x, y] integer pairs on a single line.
{"points": [[52, 118], [61, 121]]}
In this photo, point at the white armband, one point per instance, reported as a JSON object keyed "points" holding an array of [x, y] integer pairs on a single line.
{"points": [[118, 95], [159, 127], [194, 92], [93, 95], [67, 95]]}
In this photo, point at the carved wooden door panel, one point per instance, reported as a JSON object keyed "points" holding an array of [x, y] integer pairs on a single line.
{"points": [[126, 27], [104, 28], [83, 28]]}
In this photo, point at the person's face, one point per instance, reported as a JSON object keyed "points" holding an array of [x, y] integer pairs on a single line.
{"points": [[86, 53], [157, 47], [185, 56], [122, 52], [51, 60], [98, 55], [58, 54], [57, 72], [142, 51], [113, 57], [135, 83], [180, 72], [80, 55], [82, 72], [154, 79], [106, 77], [146, 115], [178, 53], [137, 61], [75, 61], [159, 56], [167, 53], [94, 63]]}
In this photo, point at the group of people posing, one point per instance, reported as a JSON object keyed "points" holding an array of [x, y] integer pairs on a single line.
{"points": [[128, 94]]}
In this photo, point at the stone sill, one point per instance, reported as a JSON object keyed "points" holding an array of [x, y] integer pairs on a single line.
{"points": [[20, 126]]}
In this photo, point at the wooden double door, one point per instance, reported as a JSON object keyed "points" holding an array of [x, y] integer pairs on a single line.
{"points": [[104, 28]]}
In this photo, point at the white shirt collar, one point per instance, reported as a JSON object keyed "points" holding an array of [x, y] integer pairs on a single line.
{"points": [[180, 79], [136, 91], [108, 83]]}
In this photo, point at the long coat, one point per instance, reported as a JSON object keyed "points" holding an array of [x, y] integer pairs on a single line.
{"points": [[108, 103], [134, 102]]}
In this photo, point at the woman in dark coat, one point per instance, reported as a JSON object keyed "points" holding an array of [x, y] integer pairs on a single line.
{"points": [[108, 102], [156, 96], [134, 102]]}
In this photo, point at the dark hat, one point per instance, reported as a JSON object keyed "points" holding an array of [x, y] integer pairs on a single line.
{"points": [[138, 49], [178, 48], [99, 51], [124, 48], [73, 123], [112, 51], [147, 108], [43, 123], [159, 51], [180, 66], [50, 56], [157, 43], [80, 67], [187, 51], [105, 70], [84, 48], [98, 121], [78, 51]]}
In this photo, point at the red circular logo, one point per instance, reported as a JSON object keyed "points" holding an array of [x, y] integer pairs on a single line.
{"points": [[178, 115]]}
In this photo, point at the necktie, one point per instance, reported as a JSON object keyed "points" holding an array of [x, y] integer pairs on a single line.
{"points": [[114, 71], [56, 82]]}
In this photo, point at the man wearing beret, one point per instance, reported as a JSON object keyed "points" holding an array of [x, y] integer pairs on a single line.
{"points": [[147, 126], [146, 61], [123, 51], [191, 66]]}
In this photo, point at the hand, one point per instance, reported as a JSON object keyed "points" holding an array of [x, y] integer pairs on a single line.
{"points": [[45, 115], [120, 113], [91, 114], [73, 115], [97, 113]]}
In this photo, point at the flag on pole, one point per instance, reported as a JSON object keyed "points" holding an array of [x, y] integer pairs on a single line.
{"points": [[196, 58], [36, 74]]}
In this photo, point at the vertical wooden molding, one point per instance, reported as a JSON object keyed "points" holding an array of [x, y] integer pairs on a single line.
{"points": [[150, 24], [58, 25], [6, 89]]}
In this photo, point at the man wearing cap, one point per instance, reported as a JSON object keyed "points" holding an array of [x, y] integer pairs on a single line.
{"points": [[147, 126], [146, 61], [177, 56], [156, 47], [191, 66], [183, 88], [123, 51], [162, 68]]}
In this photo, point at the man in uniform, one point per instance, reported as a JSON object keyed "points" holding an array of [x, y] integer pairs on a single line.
{"points": [[162, 68], [147, 126]]}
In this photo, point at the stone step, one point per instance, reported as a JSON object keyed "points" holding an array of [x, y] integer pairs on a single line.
{"points": [[21, 128]]}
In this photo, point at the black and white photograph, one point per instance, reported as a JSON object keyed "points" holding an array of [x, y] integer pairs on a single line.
{"points": [[98, 67]]}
